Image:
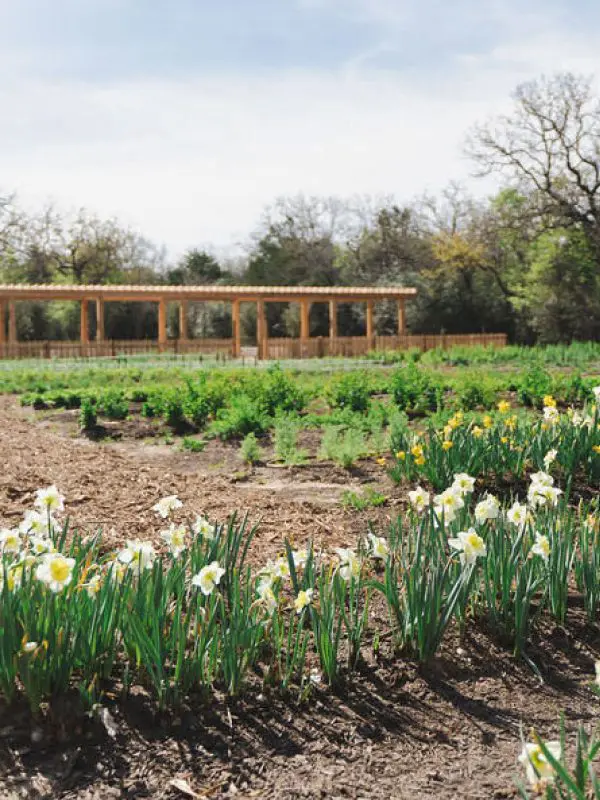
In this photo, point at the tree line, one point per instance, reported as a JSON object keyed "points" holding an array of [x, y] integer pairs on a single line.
{"points": [[524, 261]]}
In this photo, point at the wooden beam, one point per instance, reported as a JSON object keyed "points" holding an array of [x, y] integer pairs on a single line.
{"points": [[333, 327], [261, 330], [401, 318], [99, 319], [84, 331], [162, 322], [236, 333], [183, 316], [304, 318], [2, 322], [12, 322], [370, 323]]}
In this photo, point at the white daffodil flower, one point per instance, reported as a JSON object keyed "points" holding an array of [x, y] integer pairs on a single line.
{"points": [[137, 554], [378, 546], [175, 538], [419, 499], [267, 596], [10, 540], [165, 507], [538, 769], [487, 509], [470, 545], [303, 600], [463, 483], [541, 546], [550, 458], [49, 500], [350, 564], [202, 527], [208, 577], [517, 514], [55, 571]]}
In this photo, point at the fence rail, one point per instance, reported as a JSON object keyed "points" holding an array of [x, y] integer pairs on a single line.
{"points": [[284, 348]]}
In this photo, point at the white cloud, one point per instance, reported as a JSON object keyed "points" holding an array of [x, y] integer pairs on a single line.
{"points": [[192, 162]]}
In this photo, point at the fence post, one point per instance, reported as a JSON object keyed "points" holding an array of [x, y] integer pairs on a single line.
{"points": [[46, 349]]}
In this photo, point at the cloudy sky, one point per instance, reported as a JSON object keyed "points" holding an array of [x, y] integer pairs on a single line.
{"points": [[184, 118]]}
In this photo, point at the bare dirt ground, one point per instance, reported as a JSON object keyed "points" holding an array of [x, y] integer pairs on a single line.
{"points": [[448, 731]]}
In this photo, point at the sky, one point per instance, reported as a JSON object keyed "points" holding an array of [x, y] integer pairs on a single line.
{"points": [[185, 118]]}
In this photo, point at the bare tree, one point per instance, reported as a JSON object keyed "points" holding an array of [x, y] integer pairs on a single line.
{"points": [[550, 147]]}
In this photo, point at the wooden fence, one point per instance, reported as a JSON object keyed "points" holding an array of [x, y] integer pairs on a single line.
{"points": [[349, 346], [315, 347]]}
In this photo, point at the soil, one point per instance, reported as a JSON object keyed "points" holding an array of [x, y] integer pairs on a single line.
{"points": [[451, 730]]}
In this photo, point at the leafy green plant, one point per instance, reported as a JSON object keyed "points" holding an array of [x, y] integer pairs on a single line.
{"points": [[344, 446], [350, 390], [359, 501], [250, 450], [192, 445], [88, 418], [285, 438]]}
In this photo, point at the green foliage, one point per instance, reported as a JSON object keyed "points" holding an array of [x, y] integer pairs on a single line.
{"points": [[414, 389], [344, 446], [250, 451], [534, 384], [285, 438], [192, 445], [241, 417], [351, 390], [113, 404], [88, 417], [359, 501]]}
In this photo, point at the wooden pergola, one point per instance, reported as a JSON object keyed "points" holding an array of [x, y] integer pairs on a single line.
{"points": [[10, 295]]}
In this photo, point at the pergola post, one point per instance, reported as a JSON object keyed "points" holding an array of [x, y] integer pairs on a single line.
{"points": [[261, 330], [401, 318], [84, 333], [162, 323], [236, 333], [333, 328], [304, 319], [183, 330], [99, 319], [12, 322], [370, 325], [2, 323]]}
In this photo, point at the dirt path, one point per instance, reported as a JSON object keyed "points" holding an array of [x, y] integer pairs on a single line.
{"points": [[452, 732]]}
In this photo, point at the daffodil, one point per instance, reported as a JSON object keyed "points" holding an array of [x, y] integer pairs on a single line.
{"points": [[504, 406], [450, 500], [137, 554], [378, 546], [487, 509], [419, 499], [447, 444], [477, 432], [267, 596], [56, 571], [38, 523], [10, 540], [538, 769], [49, 500], [541, 547], [303, 599], [517, 514], [401, 455], [597, 671], [202, 527], [550, 458], [208, 577], [470, 545], [551, 414], [176, 539], [350, 564], [463, 483], [487, 421], [165, 506], [381, 461], [549, 401], [40, 545]]}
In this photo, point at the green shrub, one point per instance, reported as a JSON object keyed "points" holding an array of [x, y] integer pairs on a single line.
{"points": [[88, 418], [534, 384], [242, 417], [349, 391], [113, 404], [192, 445], [287, 430], [197, 405], [344, 446], [414, 389], [250, 451]]}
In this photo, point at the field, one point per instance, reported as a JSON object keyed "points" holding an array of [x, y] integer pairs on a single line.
{"points": [[319, 579]]}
